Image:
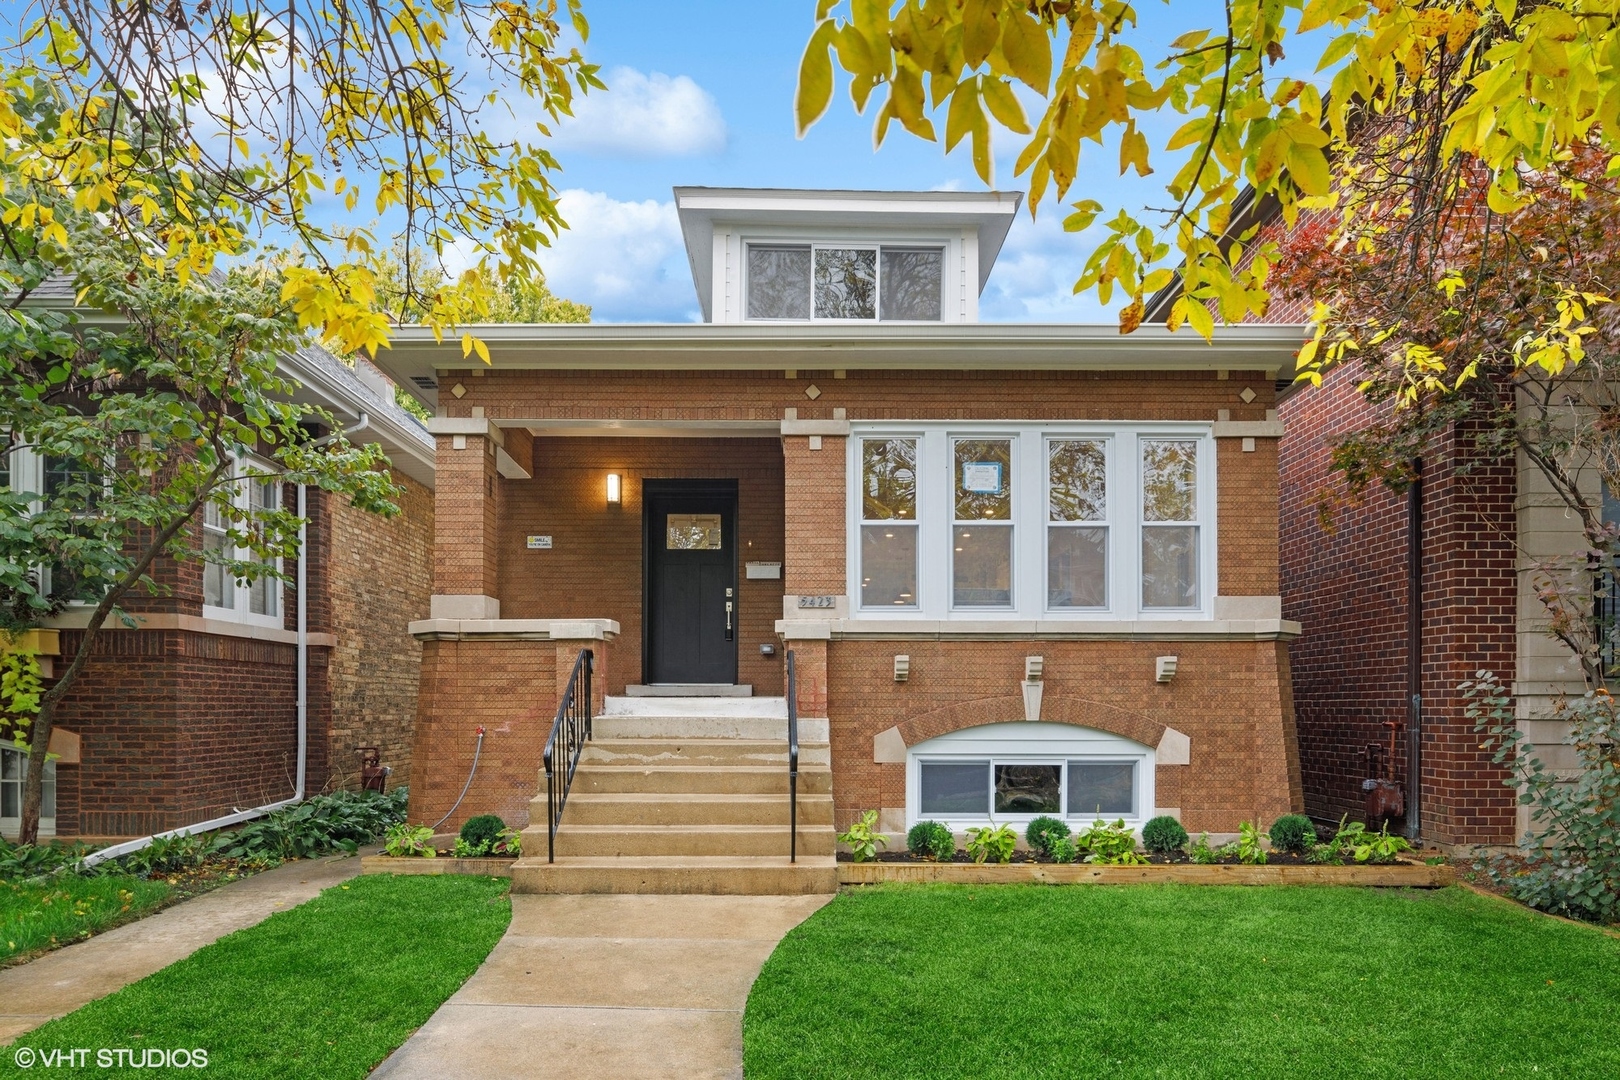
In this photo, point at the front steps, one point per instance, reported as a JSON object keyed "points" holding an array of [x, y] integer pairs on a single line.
{"points": [[688, 795]]}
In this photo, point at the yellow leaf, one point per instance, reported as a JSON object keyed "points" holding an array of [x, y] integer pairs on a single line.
{"points": [[1268, 161], [1133, 151], [1157, 280], [1028, 50], [1308, 168], [1130, 316], [815, 87], [964, 112], [980, 31], [1004, 105], [854, 53], [481, 349]]}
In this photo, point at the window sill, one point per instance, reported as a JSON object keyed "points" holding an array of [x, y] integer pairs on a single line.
{"points": [[1160, 629]]}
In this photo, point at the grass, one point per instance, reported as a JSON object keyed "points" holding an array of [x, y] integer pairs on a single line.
{"points": [[1182, 981], [40, 915], [327, 989]]}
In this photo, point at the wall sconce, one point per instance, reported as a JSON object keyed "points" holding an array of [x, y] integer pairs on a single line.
{"points": [[902, 668], [614, 488], [1164, 668], [1034, 667]]}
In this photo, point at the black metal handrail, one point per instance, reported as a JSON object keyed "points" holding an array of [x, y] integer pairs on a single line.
{"points": [[570, 731], [793, 759]]}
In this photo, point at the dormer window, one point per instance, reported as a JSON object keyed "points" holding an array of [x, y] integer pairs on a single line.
{"points": [[845, 282]]}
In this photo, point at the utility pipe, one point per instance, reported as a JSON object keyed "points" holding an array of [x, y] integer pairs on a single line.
{"points": [[1414, 653], [236, 817]]}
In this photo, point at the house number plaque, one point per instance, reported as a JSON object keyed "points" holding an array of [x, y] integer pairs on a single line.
{"points": [[818, 601]]}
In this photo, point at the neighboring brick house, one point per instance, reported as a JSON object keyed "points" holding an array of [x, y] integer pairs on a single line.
{"points": [[957, 528], [1365, 659], [194, 713]]}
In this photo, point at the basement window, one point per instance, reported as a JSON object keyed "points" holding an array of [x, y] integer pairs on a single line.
{"points": [[13, 770]]}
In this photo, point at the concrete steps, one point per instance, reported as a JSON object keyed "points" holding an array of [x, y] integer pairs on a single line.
{"points": [[730, 875], [688, 795]]}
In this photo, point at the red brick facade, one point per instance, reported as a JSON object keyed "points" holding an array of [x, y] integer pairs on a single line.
{"points": [[1231, 697], [1348, 588]]}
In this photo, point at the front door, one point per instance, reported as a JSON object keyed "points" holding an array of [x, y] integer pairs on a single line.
{"points": [[691, 581]]}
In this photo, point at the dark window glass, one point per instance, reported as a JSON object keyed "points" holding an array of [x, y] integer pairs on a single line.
{"points": [[846, 283], [913, 282], [1028, 789], [954, 787], [1102, 787], [778, 282]]}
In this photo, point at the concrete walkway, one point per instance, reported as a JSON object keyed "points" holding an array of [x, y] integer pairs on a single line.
{"points": [[606, 986], [61, 981]]}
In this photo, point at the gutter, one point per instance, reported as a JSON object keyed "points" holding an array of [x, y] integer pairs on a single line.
{"points": [[302, 708]]}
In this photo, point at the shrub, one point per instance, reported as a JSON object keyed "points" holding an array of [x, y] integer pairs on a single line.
{"points": [[1112, 845], [405, 840], [1063, 849], [480, 832], [1293, 833], [992, 842], [340, 820], [1164, 835], [1201, 852], [1042, 831], [167, 855], [863, 838], [931, 840], [1249, 850]]}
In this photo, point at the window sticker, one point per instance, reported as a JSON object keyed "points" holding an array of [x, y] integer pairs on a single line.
{"points": [[982, 477]]}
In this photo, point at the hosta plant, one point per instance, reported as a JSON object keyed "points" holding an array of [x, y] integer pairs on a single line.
{"points": [[1109, 844], [992, 842], [409, 840], [863, 838]]}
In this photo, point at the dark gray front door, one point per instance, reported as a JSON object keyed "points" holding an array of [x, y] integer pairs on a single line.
{"points": [[691, 613]]}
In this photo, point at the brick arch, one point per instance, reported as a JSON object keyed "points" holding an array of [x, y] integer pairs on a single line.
{"points": [[1080, 712]]}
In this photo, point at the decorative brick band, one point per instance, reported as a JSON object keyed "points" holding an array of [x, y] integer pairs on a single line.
{"points": [[1138, 727]]}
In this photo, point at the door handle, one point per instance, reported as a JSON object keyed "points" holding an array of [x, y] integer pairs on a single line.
{"points": [[728, 620]]}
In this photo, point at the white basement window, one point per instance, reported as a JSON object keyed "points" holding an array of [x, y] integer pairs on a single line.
{"points": [[13, 770], [1015, 772], [1057, 521], [845, 282]]}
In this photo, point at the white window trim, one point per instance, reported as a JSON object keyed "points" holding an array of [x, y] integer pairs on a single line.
{"points": [[951, 255], [243, 591], [11, 826], [28, 474], [935, 507], [1061, 744]]}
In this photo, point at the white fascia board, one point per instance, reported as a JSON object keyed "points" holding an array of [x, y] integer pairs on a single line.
{"points": [[777, 346]]}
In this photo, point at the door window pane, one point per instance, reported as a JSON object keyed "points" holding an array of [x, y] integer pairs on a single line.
{"points": [[1169, 566], [1169, 480], [778, 282], [954, 787], [692, 532], [1102, 787], [889, 479], [1076, 567], [1028, 789], [846, 283], [981, 566], [984, 479], [913, 281], [888, 566]]}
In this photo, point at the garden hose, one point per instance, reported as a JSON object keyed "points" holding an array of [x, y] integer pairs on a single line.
{"points": [[476, 751]]}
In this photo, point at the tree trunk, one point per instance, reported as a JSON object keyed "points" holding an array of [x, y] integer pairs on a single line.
{"points": [[34, 783]]}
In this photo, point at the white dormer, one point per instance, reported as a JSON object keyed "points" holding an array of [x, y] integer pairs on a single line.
{"points": [[771, 255]]}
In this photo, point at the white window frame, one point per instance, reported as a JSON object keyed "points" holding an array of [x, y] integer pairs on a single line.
{"points": [[948, 255], [28, 474], [242, 591], [1023, 743], [1030, 482], [11, 826]]}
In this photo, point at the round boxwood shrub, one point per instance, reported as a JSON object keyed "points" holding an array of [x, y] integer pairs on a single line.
{"points": [[1293, 833], [931, 840], [1164, 835], [483, 829], [1042, 831]]}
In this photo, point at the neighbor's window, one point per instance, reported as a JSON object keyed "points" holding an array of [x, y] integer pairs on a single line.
{"points": [[1077, 523], [845, 282], [889, 522], [13, 770], [1169, 523], [982, 530]]}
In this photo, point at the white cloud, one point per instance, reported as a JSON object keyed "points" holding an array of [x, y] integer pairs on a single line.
{"points": [[625, 259], [1033, 279], [645, 116]]}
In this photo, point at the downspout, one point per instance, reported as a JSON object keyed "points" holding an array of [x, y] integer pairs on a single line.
{"points": [[1414, 654], [237, 817]]}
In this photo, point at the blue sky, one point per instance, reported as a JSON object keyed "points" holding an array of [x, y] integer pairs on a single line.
{"points": [[701, 92]]}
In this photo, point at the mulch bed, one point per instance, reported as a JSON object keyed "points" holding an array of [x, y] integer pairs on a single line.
{"points": [[1274, 858]]}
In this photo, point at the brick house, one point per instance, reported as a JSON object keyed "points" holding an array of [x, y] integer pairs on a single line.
{"points": [[1021, 568], [1405, 597], [194, 713]]}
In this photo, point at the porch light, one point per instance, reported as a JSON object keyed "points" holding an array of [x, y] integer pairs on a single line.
{"points": [[613, 488]]}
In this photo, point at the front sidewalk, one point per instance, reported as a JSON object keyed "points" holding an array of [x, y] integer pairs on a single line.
{"points": [[606, 986]]}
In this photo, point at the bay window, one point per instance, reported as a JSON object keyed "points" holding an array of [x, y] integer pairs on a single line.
{"points": [[1033, 521]]}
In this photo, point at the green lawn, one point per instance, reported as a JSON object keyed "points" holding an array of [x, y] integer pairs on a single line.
{"points": [[1182, 981], [66, 907], [327, 989]]}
